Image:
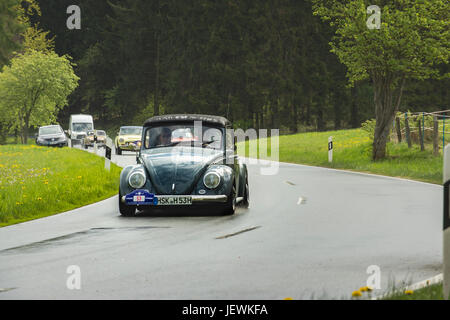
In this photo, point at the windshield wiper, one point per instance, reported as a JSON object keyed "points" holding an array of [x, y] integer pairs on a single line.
{"points": [[206, 143]]}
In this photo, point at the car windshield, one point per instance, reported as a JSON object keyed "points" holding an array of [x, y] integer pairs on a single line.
{"points": [[131, 130], [182, 135], [50, 130], [81, 127], [101, 133]]}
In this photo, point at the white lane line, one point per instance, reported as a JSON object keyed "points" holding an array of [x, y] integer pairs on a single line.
{"points": [[267, 162]]}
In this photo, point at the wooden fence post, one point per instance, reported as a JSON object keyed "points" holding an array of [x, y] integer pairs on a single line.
{"points": [[435, 136], [421, 134], [399, 131], [407, 132]]}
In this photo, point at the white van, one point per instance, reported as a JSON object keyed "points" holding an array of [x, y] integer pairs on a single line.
{"points": [[79, 125]]}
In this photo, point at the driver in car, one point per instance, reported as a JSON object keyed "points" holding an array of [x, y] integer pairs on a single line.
{"points": [[165, 137]]}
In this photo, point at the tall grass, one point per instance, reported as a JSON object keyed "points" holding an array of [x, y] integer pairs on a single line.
{"points": [[40, 181], [352, 150]]}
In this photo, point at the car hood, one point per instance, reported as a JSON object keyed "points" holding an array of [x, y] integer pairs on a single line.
{"points": [[175, 170], [130, 137], [53, 135]]}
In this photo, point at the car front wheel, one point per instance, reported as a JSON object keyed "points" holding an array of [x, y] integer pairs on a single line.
{"points": [[126, 210], [246, 200], [231, 202]]}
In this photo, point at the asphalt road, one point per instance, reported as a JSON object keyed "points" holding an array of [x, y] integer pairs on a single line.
{"points": [[311, 234]]}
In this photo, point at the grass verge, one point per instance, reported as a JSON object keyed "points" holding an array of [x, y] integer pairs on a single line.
{"points": [[352, 151], [36, 182], [432, 292]]}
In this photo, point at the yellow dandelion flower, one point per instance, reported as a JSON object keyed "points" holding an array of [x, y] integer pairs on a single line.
{"points": [[39, 198], [363, 289], [45, 182], [17, 203], [79, 177], [409, 292], [356, 294]]}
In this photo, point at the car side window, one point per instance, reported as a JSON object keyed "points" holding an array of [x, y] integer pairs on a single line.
{"points": [[213, 134], [147, 139]]}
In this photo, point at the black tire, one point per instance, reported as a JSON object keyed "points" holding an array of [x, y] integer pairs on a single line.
{"points": [[230, 207], [246, 201], [118, 151], [126, 210]]}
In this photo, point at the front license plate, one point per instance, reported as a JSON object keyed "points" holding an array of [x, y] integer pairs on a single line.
{"points": [[173, 201]]}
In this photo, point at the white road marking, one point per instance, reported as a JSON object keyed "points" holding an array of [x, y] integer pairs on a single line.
{"points": [[416, 286]]}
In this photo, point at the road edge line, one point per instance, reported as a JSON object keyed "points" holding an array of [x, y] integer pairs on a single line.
{"points": [[416, 286]]}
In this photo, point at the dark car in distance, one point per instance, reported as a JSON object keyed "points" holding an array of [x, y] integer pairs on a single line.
{"points": [[185, 161], [52, 135]]}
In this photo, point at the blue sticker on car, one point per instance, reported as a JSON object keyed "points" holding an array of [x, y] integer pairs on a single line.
{"points": [[140, 197]]}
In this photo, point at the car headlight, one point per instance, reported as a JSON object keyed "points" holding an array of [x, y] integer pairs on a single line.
{"points": [[211, 180], [137, 179]]}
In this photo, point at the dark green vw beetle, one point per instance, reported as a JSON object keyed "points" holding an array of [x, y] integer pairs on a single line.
{"points": [[185, 161]]}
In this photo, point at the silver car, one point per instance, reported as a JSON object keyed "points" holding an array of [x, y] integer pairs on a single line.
{"points": [[51, 136]]}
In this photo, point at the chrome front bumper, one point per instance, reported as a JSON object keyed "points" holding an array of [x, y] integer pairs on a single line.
{"points": [[195, 198]]}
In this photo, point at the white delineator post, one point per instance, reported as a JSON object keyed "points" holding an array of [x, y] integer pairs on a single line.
{"points": [[446, 233], [108, 148], [330, 149]]}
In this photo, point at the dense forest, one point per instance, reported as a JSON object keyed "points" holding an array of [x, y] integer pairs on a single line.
{"points": [[262, 64]]}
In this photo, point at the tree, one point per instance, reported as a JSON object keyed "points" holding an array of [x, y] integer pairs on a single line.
{"points": [[33, 88], [411, 43]]}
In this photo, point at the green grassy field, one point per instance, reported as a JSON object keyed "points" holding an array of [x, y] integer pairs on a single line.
{"points": [[433, 292], [38, 181], [352, 151]]}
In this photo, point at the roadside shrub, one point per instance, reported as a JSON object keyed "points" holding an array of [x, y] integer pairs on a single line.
{"points": [[369, 127]]}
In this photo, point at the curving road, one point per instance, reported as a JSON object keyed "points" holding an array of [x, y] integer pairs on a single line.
{"points": [[310, 233]]}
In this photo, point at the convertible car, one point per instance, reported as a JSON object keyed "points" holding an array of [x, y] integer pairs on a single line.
{"points": [[185, 161], [128, 138]]}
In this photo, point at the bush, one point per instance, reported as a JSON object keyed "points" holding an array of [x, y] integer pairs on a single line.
{"points": [[369, 127]]}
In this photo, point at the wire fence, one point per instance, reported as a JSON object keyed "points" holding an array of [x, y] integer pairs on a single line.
{"points": [[422, 127]]}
